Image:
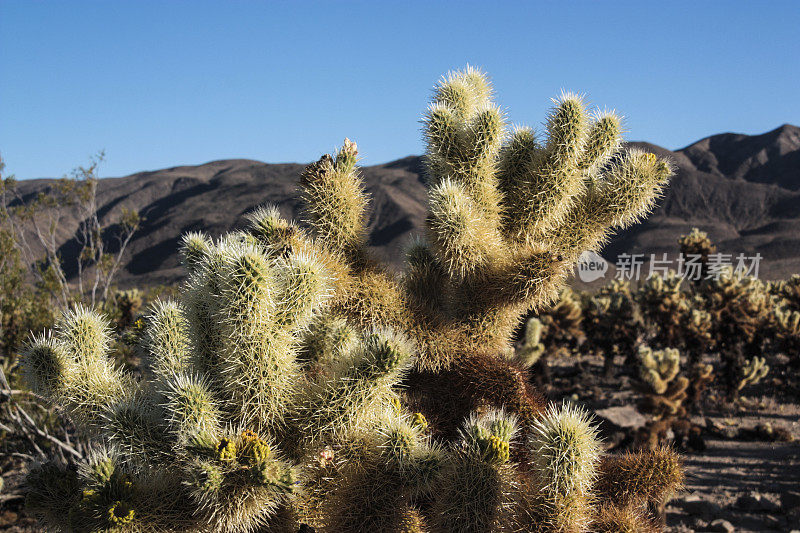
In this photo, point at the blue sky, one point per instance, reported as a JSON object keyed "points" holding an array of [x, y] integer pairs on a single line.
{"points": [[166, 83]]}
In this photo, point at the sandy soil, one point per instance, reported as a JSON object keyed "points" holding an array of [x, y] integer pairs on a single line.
{"points": [[741, 477]]}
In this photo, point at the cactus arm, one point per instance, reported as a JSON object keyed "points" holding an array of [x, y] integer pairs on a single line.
{"points": [[476, 485], [336, 204]]}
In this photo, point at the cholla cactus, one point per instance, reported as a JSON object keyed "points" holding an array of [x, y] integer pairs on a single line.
{"points": [[507, 221], [532, 349], [664, 392], [613, 322], [786, 316], [788, 291], [501, 215], [753, 371], [270, 395], [217, 435], [378, 492], [787, 326], [696, 246], [566, 452], [700, 377], [561, 332], [697, 333], [622, 484], [126, 304], [741, 310], [738, 304], [623, 520], [477, 485], [664, 308], [658, 368]]}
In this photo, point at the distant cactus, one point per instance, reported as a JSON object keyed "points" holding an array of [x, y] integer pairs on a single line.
{"points": [[741, 309], [664, 393], [126, 305], [658, 368], [700, 377], [269, 397], [613, 323], [697, 331], [532, 349], [753, 371], [788, 291], [561, 332], [739, 306], [696, 246], [787, 332], [664, 308]]}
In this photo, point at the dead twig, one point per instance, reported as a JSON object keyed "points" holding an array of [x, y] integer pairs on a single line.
{"points": [[27, 425]]}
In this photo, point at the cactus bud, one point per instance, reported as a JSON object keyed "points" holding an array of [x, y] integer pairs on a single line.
{"points": [[347, 157], [226, 450], [419, 420]]}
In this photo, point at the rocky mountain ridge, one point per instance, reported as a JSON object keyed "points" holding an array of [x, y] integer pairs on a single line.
{"points": [[744, 190]]}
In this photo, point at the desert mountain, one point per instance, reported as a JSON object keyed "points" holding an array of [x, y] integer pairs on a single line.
{"points": [[771, 158], [744, 190]]}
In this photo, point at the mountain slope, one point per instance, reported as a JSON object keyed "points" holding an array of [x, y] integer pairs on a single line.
{"points": [[772, 158], [214, 198], [744, 190]]}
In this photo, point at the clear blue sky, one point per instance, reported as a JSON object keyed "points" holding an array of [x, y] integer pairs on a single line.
{"points": [[164, 83]]}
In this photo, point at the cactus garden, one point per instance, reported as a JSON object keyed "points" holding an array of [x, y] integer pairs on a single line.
{"points": [[295, 382]]}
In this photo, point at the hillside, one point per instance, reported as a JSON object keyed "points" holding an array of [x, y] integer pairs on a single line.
{"points": [[744, 190]]}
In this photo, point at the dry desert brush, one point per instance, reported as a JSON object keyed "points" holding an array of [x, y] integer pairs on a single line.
{"points": [[272, 394]]}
